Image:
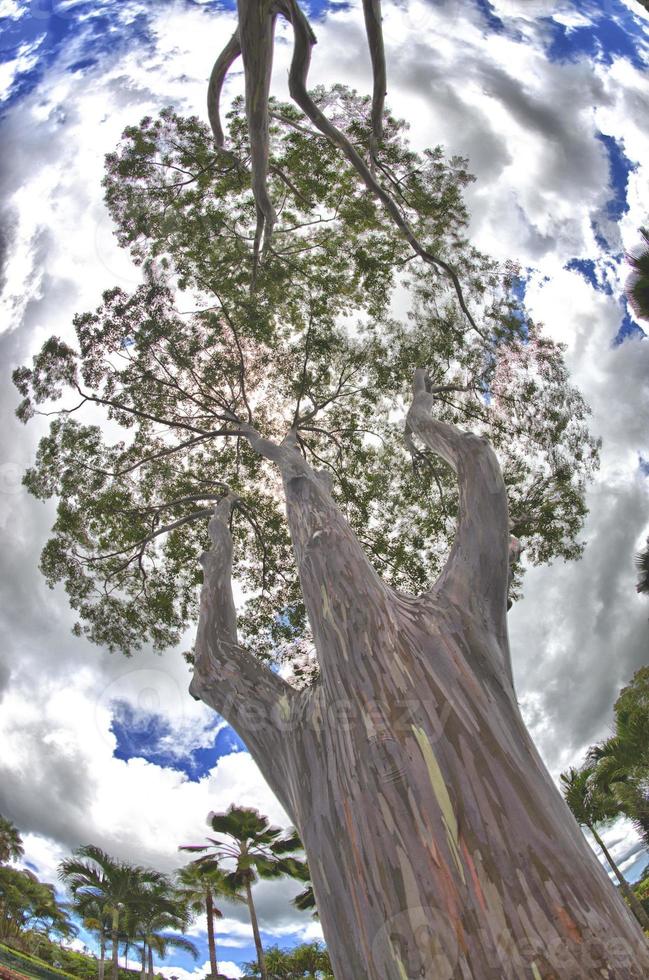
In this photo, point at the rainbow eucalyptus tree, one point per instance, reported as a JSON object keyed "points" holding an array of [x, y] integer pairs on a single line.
{"points": [[321, 384]]}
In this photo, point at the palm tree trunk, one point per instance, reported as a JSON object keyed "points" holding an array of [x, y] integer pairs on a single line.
{"points": [[115, 942], [255, 932], [143, 973], [150, 963], [629, 894], [102, 957], [211, 941]]}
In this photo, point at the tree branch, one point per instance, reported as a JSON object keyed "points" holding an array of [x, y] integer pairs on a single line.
{"points": [[143, 542], [372, 12], [298, 75], [254, 700], [222, 65], [256, 33], [477, 570]]}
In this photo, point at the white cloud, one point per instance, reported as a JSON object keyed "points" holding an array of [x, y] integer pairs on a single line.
{"points": [[12, 9], [225, 966], [528, 126], [26, 59]]}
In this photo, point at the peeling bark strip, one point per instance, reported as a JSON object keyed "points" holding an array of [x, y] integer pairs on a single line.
{"points": [[254, 41], [438, 845]]}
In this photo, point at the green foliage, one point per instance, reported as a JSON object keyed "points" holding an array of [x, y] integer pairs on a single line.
{"points": [[641, 889], [257, 849], [125, 901], [621, 763], [27, 903], [589, 804], [642, 565], [11, 845], [637, 286], [32, 966], [160, 382], [309, 960], [73, 964]]}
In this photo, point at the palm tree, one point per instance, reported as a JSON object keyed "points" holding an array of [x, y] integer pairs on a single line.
{"points": [[642, 565], [305, 900], [637, 285], [157, 909], [622, 761], [590, 805], [306, 962], [199, 886], [614, 773], [115, 884], [93, 917], [11, 845], [258, 850]]}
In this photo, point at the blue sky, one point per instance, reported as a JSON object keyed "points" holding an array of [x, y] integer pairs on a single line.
{"points": [[549, 102]]}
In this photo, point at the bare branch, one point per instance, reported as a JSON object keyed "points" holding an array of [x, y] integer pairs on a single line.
{"points": [[223, 63], [231, 680], [142, 543], [131, 410], [256, 34], [373, 27], [476, 573], [304, 41]]}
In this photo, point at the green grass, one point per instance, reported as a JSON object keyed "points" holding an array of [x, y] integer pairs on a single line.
{"points": [[30, 966]]}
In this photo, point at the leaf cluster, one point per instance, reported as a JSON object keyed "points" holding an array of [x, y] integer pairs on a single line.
{"points": [[151, 399]]}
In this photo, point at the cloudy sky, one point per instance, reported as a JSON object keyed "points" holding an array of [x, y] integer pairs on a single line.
{"points": [[549, 100]]}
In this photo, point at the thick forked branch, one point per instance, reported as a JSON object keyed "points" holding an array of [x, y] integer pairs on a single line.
{"points": [[372, 12], [256, 34], [254, 700], [230, 53], [477, 570], [254, 40], [339, 585]]}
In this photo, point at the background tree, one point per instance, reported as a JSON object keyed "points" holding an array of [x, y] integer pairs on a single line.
{"points": [[118, 886], [317, 349], [95, 918], [308, 960], [199, 886], [637, 285], [641, 889], [11, 845], [621, 762], [28, 904], [151, 913], [256, 849], [642, 565], [591, 806]]}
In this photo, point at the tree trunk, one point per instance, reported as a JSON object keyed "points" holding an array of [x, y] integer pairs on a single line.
{"points": [[150, 963], [115, 950], [439, 847], [211, 941], [102, 958], [255, 931], [630, 895], [143, 972]]}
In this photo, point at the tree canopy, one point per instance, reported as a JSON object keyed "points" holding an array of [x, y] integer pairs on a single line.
{"points": [[11, 844], [621, 762], [158, 404]]}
